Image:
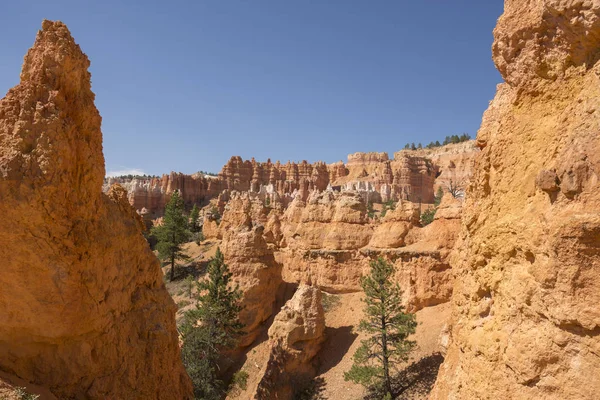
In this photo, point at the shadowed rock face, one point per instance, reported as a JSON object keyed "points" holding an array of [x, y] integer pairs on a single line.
{"points": [[295, 338], [526, 321], [83, 309]]}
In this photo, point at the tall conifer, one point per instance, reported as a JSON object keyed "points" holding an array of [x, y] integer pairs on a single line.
{"points": [[389, 327]]}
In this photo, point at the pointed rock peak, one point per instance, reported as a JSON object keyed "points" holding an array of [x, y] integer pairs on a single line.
{"points": [[49, 125], [56, 60]]}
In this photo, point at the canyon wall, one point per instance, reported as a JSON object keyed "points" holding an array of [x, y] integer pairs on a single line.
{"points": [[83, 308], [526, 321], [411, 175], [328, 241]]}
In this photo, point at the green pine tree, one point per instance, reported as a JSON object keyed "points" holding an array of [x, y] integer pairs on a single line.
{"points": [[212, 327], [194, 216], [172, 233], [389, 327]]}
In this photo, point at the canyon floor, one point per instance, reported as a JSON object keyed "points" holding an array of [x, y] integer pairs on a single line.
{"points": [[343, 313]]}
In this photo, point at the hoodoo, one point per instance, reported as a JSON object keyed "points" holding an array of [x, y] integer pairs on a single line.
{"points": [[83, 308]]}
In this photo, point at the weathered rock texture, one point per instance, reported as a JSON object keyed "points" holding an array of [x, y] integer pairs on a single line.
{"points": [[454, 162], [411, 175], [295, 337], [83, 309], [252, 264], [328, 241], [526, 321], [152, 193]]}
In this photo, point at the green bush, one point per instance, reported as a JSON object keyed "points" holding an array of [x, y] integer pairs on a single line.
{"points": [[427, 216], [239, 380], [370, 210]]}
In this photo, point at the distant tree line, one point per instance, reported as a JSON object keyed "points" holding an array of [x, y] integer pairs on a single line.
{"points": [[130, 176], [207, 173], [448, 140]]}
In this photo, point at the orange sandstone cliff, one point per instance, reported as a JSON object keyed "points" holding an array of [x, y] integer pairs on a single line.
{"points": [[526, 320], [83, 308]]}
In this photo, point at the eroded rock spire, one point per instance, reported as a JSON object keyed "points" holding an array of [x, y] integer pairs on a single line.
{"points": [[83, 309]]}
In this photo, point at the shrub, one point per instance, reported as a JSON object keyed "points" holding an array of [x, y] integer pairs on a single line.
{"points": [[239, 382], [427, 216], [370, 210]]}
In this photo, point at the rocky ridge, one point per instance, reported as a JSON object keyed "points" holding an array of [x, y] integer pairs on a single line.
{"points": [[83, 309], [328, 241], [411, 175]]}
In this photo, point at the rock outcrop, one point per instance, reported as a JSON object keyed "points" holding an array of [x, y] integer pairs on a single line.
{"points": [[329, 240], [454, 162], [252, 264], [295, 337], [83, 308], [526, 321], [153, 193]]}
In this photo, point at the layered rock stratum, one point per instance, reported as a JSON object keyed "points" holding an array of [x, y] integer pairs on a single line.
{"points": [[410, 175], [83, 308], [526, 321]]}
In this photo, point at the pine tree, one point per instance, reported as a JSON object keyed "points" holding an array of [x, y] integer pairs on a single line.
{"points": [[172, 233], [412, 146], [212, 327], [194, 215], [388, 325]]}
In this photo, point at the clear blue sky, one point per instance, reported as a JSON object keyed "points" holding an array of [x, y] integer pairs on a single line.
{"points": [[184, 85]]}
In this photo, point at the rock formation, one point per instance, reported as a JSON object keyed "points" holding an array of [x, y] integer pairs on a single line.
{"points": [[411, 175], [252, 265], [328, 241], [83, 308], [295, 336], [526, 321], [152, 193], [454, 162]]}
